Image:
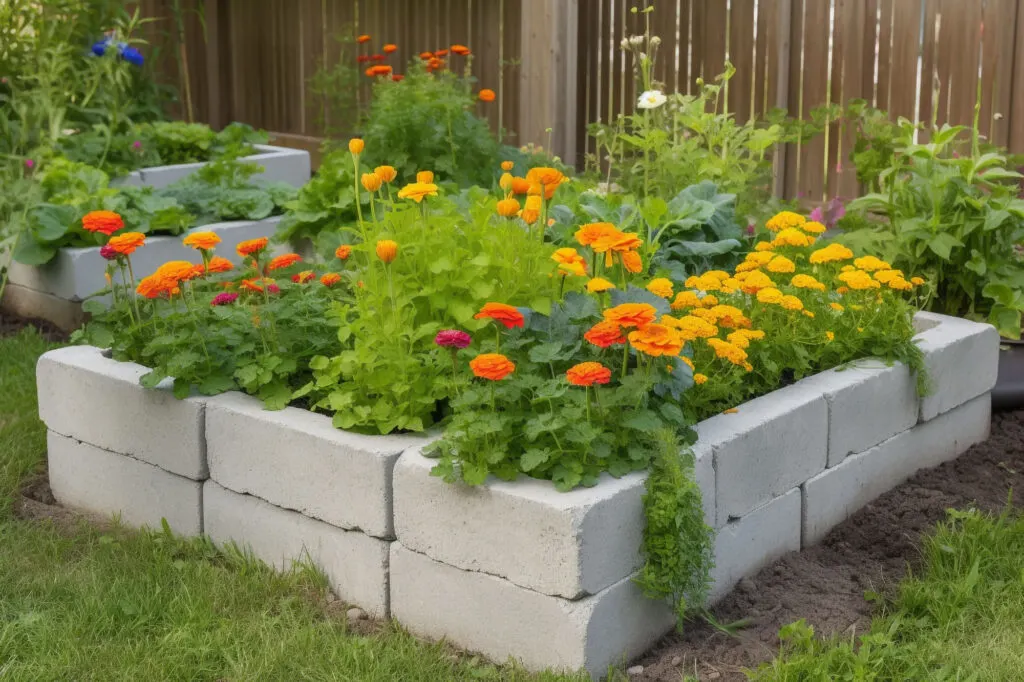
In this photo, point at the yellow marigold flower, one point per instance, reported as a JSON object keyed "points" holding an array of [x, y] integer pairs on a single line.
{"points": [[717, 274], [792, 237], [577, 269], [206, 241], [686, 299], [831, 254], [916, 281], [704, 283], [687, 361], [858, 280], [531, 210], [870, 264], [900, 284], [700, 379], [830, 336], [813, 227], [886, 276], [371, 182], [783, 220], [764, 246], [387, 250], [356, 146], [747, 266], [781, 264], [598, 285], [656, 340], [425, 177], [593, 232], [385, 173], [660, 287], [729, 286], [738, 340], [728, 351], [769, 295], [808, 313], [842, 290], [505, 182], [759, 257], [727, 316], [507, 165], [709, 300], [417, 191], [507, 208], [838, 307], [691, 327], [848, 268], [566, 256], [806, 282], [755, 282]]}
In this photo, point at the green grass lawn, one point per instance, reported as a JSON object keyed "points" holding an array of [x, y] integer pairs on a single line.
{"points": [[961, 617], [91, 604]]}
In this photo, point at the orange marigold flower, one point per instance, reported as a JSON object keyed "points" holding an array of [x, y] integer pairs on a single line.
{"points": [[343, 252], [588, 373], [492, 366], [917, 281], [755, 282], [830, 254], [460, 50], [520, 185], [389, 48], [547, 178], [434, 64], [686, 299], [356, 146], [387, 250], [252, 285], [531, 211], [632, 262], [443, 52], [487, 95], [385, 173], [507, 208], [426, 55], [691, 327], [505, 181], [813, 227], [592, 232], [783, 220], [284, 261], [507, 165], [699, 378], [303, 277], [598, 285], [605, 334], [219, 264], [125, 244], [792, 237], [631, 314], [206, 241], [106, 222], [728, 351], [566, 256], [807, 282], [763, 246], [251, 246], [371, 182], [656, 340], [418, 191], [781, 264], [660, 287], [330, 279], [500, 312], [363, 39]]}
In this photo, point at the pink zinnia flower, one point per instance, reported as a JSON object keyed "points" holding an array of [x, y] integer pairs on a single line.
{"points": [[452, 338], [107, 251], [273, 288], [137, 144], [30, 164], [225, 298]]}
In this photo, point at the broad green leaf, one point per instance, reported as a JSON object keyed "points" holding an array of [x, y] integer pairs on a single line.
{"points": [[943, 243], [31, 252]]}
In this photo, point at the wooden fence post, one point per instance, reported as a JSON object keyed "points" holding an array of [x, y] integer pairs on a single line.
{"points": [[547, 93]]}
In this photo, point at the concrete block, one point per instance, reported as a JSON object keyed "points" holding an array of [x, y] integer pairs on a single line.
{"points": [[280, 164], [297, 460], [771, 445], [355, 564], [834, 495], [962, 358], [76, 274], [745, 545], [868, 402], [493, 616], [29, 303], [567, 544], [86, 477], [89, 397]]}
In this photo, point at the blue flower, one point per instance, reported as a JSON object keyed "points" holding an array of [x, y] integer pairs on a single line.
{"points": [[99, 48], [131, 55]]}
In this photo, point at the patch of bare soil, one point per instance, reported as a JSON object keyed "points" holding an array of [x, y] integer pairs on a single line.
{"points": [[12, 324], [825, 584]]}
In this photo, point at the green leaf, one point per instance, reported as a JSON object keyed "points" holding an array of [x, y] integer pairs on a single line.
{"points": [[533, 458], [546, 352], [318, 362], [643, 420], [51, 222], [31, 252], [943, 243]]}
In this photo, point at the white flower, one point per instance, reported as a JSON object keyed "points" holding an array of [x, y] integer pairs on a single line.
{"points": [[652, 99]]}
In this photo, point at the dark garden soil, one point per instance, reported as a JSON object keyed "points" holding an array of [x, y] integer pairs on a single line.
{"points": [[12, 324], [825, 584]]}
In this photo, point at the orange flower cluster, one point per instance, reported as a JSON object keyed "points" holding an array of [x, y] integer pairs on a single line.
{"points": [[607, 239], [125, 244], [587, 374], [252, 246], [167, 279], [283, 261], [500, 312], [491, 366], [105, 222], [205, 241]]}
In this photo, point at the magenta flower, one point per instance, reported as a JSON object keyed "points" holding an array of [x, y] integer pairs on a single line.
{"points": [[452, 338], [818, 215], [107, 251], [30, 164], [137, 145], [273, 288], [225, 298]]}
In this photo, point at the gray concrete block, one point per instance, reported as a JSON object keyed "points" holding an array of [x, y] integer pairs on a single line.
{"points": [[29, 303], [769, 446], [355, 564], [76, 274], [86, 477], [962, 358], [92, 398], [834, 495], [501, 620], [568, 544], [868, 402], [745, 545], [280, 164], [297, 460]]}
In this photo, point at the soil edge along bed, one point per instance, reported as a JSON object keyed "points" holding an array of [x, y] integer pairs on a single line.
{"points": [[825, 584]]}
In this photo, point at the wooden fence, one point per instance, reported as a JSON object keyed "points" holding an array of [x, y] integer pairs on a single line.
{"points": [[557, 64]]}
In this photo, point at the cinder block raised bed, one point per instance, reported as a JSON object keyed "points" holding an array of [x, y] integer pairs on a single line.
{"points": [[507, 569], [280, 164], [55, 291]]}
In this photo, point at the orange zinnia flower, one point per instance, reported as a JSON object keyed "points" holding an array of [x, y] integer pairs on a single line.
{"points": [[592, 232], [218, 264], [363, 39], [303, 277], [205, 241], [125, 244], [251, 246], [507, 208], [460, 50], [588, 373], [176, 270], [154, 286], [371, 182], [492, 366], [397, 77], [425, 56], [385, 173], [387, 250], [418, 191], [567, 256], [284, 261], [356, 146], [500, 312], [520, 185], [252, 285], [379, 70], [343, 252], [106, 222], [441, 53], [656, 340], [389, 48], [434, 64], [487, 95], [605, 334], [330, 279], [631, 314]]}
